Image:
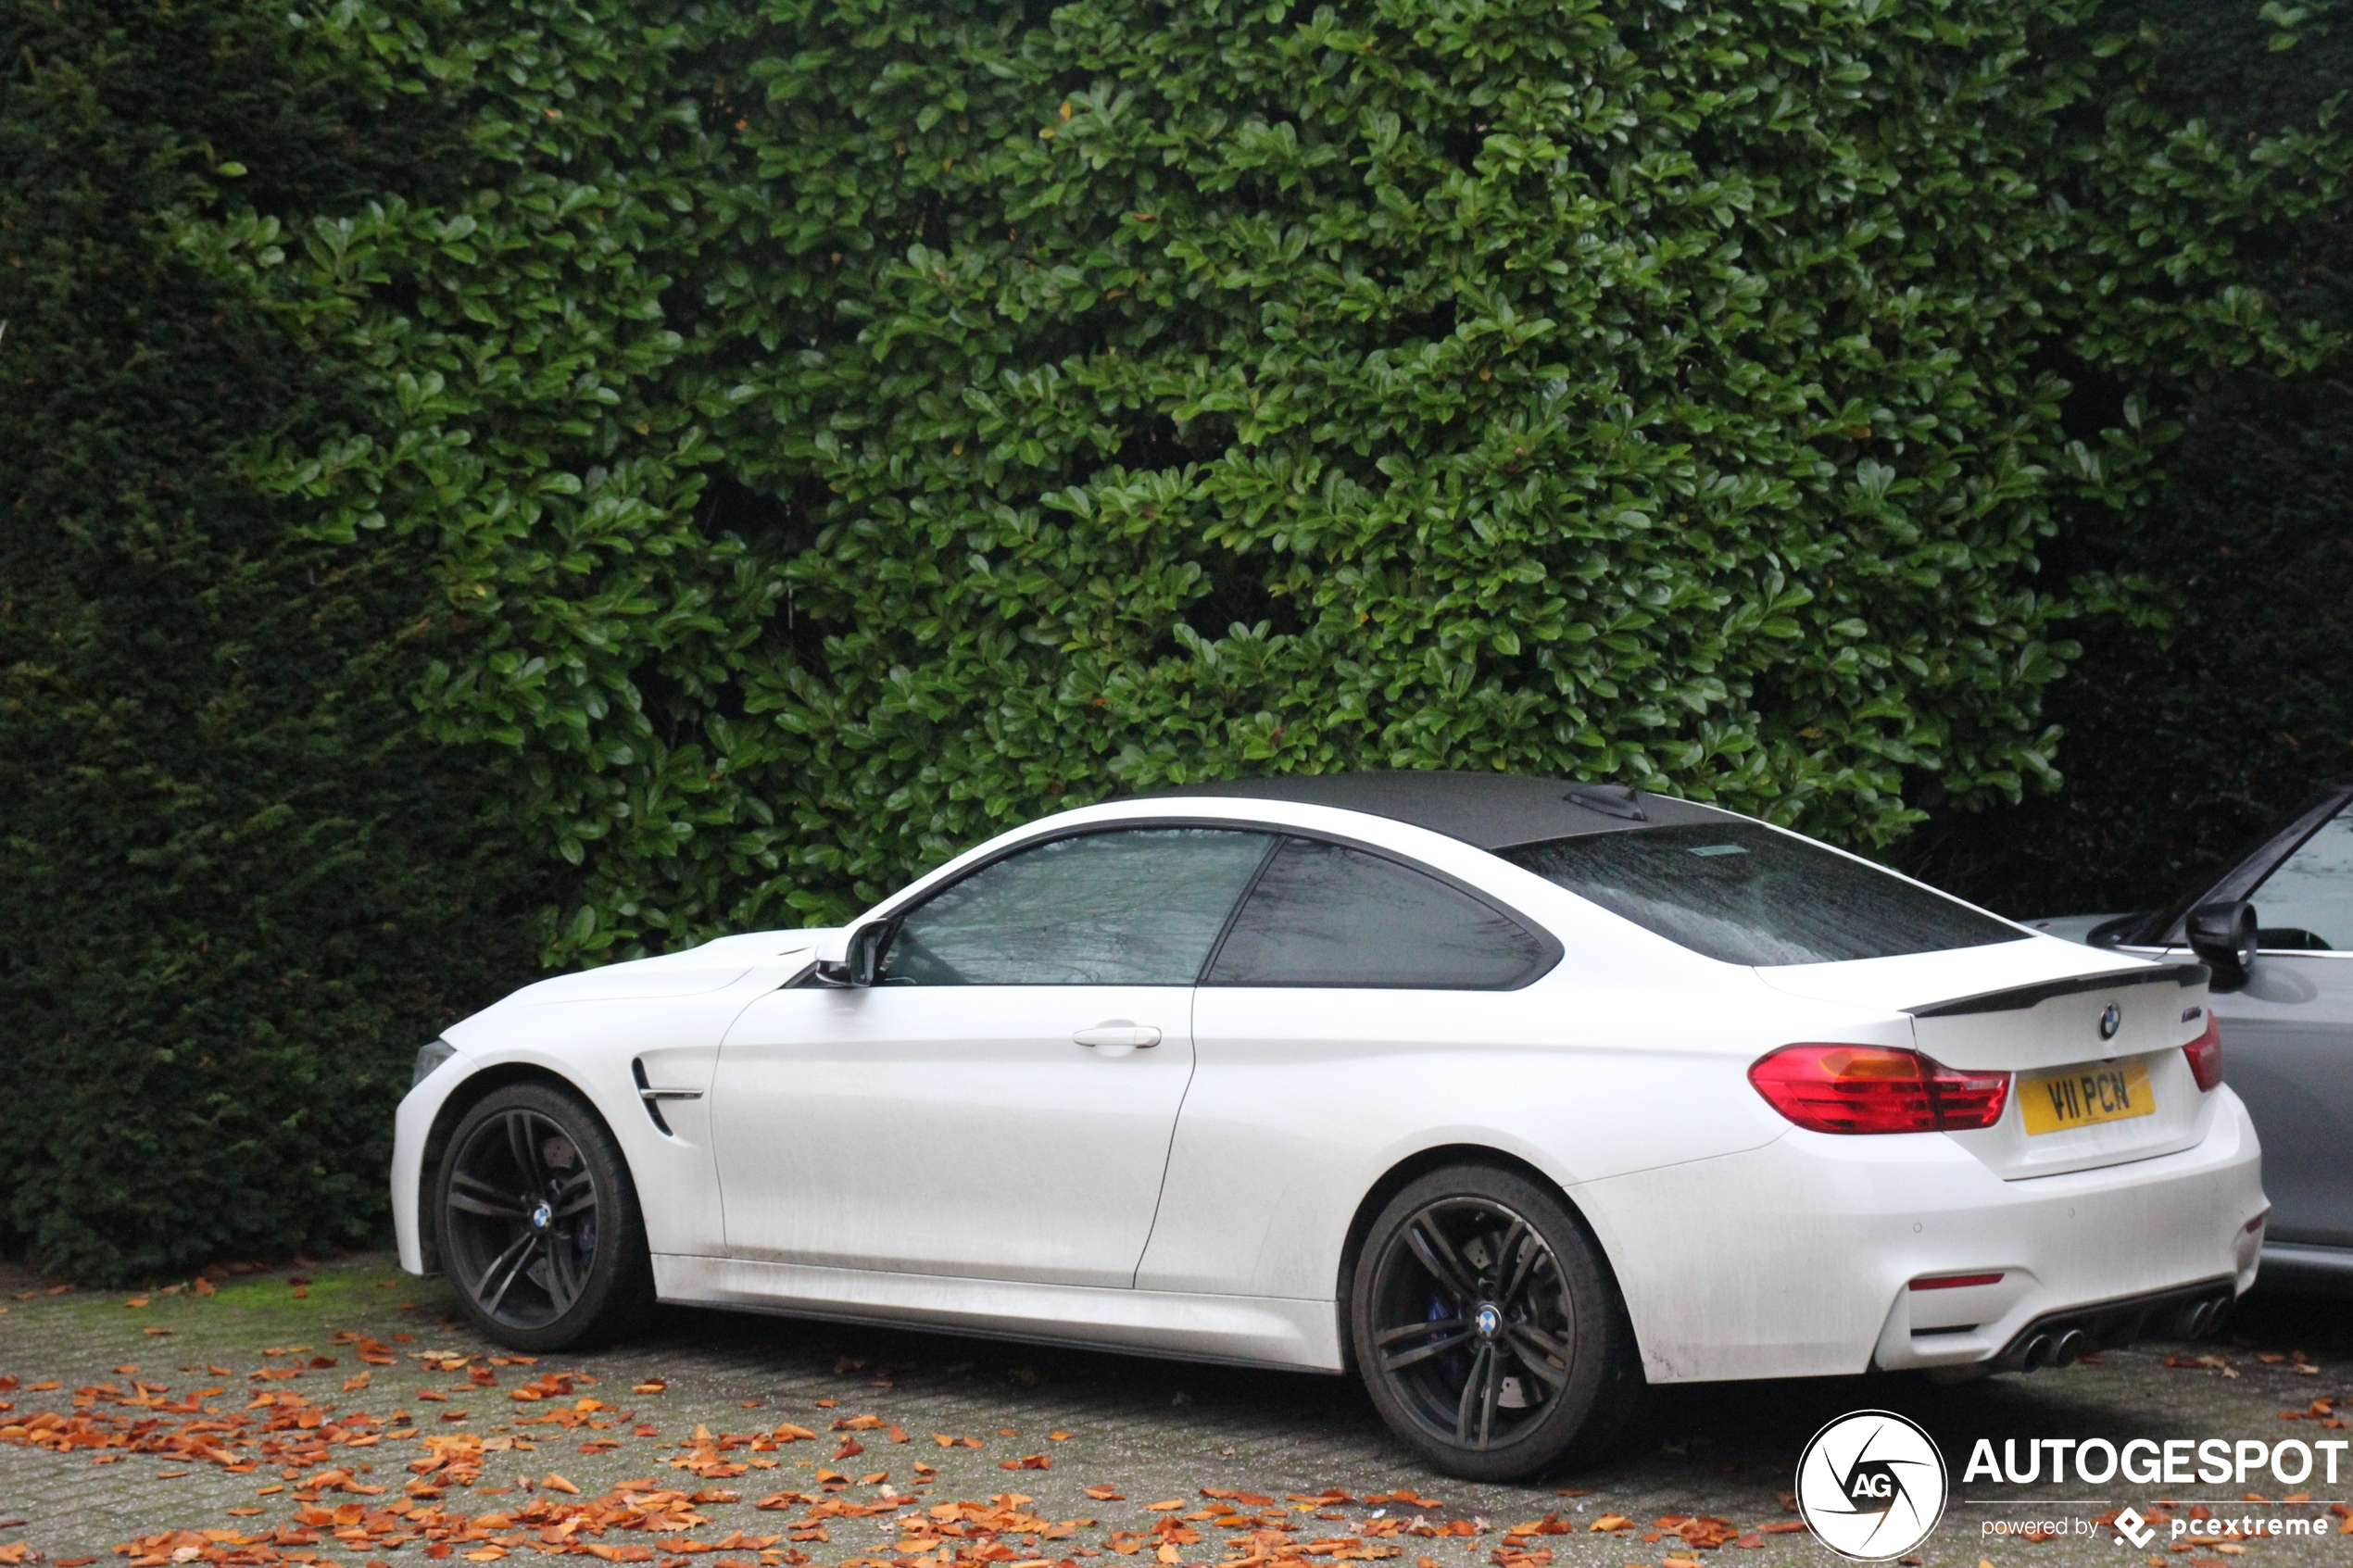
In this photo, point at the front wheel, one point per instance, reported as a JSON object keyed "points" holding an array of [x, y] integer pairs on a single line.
{"points": [[1486, 1329], [539, 1225]]}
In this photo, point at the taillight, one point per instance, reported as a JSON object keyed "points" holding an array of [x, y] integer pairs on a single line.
{"points": [[2205, 1055], [1877, 1089]]}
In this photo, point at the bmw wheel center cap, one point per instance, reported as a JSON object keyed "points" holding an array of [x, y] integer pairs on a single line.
{"points": [[540, 1216], [1487, 1319]]}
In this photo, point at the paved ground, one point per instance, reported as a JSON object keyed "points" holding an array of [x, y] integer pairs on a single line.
{"points": [[1148, 1432]]}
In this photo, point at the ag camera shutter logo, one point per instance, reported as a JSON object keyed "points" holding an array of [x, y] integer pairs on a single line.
{"points": [[1871, 1485]]}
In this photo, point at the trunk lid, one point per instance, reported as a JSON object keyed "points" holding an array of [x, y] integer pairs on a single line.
{"points": [[2039, 1010]]}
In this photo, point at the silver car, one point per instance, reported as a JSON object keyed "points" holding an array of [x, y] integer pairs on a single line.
{"points": [[2276, 927]]}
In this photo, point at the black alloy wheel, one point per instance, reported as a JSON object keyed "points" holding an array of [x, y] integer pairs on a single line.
{"points": [[539, 1225], [1486, 1329]]}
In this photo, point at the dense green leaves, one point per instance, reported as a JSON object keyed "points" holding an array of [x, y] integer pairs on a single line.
{"points": [[237, 887], [2212, 704], [676, 469], [851, 428]]}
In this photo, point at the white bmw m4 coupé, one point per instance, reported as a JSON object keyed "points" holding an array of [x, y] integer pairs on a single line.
{"points": [[1510, 1095]]}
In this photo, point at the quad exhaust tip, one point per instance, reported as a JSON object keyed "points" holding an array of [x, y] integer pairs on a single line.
{"points": [[2068, 1338], [2063, 1348], [2205, 1317]]}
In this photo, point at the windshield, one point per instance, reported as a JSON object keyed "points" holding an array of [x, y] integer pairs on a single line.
{"points": [[1742, 893]]}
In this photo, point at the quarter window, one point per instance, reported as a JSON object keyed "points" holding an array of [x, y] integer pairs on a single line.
{"points": [[1327, 915], [1141, 906], [2306, 904]]}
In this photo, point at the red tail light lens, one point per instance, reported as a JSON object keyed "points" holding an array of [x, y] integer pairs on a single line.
{"points": [[2205, 1055], [1830, 1088]]}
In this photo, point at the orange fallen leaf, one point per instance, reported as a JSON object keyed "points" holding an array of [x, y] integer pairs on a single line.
{"points": [[1105, 1493], [1059, 1437], [650, 1385], [558, 1483]]}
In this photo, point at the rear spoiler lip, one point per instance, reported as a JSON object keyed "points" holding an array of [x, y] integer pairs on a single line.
{"points": [[2018, 998]]}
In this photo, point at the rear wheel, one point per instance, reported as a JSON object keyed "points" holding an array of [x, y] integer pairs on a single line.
{"points": [[1486, 1329], [539, 1225]]}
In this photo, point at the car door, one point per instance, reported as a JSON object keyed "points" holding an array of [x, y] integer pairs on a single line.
{"points": [[1347, 972], [1000, 1104], [2287, 1038]]}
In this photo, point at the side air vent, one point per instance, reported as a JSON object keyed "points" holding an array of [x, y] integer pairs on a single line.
{"points": [[654, 1097], [649, 1098]]}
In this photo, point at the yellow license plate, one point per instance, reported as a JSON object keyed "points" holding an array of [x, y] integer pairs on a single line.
{"points": [[2084, 1097]]}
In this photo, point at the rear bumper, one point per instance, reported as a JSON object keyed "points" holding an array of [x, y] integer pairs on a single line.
{"points": [[1799, 1258]]}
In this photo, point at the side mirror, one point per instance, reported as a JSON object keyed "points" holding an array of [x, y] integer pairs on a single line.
{"points": [[2223, 934], [863, 962], [855, 958]]}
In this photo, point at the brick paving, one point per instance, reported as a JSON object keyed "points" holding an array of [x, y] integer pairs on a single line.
{"points": [[1151, 1431]]}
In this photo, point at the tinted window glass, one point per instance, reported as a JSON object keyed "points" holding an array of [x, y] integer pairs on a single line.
{"points": [[1327, 915], [2308, 903], [1136, 907], [1747, 894]]}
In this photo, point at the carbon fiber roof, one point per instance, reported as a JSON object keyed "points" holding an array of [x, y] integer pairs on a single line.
{"points": [[1492, 810]]}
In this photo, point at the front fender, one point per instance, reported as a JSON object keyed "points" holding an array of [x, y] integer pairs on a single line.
{"points": [[595, 1046]]}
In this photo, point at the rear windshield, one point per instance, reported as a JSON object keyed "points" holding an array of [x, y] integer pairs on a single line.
{"points": [[1746, 893]]}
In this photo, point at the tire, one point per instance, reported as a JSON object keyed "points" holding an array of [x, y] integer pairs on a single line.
{"points": [[1486, 1329], [538, 1223]]}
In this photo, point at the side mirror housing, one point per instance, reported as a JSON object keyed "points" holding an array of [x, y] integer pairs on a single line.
{"points": [[2222, 935], [861, 959], [866, 944]]}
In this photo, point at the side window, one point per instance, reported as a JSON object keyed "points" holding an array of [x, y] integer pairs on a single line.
{"points": [[2308, 903], [1324, 914], [1140, 906]]}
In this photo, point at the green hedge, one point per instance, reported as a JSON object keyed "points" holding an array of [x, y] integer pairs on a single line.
{"points": [[856, 427], [780, 445], [2192, 728], [237, 888]]}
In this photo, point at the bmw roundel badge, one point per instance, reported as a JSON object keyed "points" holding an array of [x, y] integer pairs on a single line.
{"points": [[2112, 1020]]}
